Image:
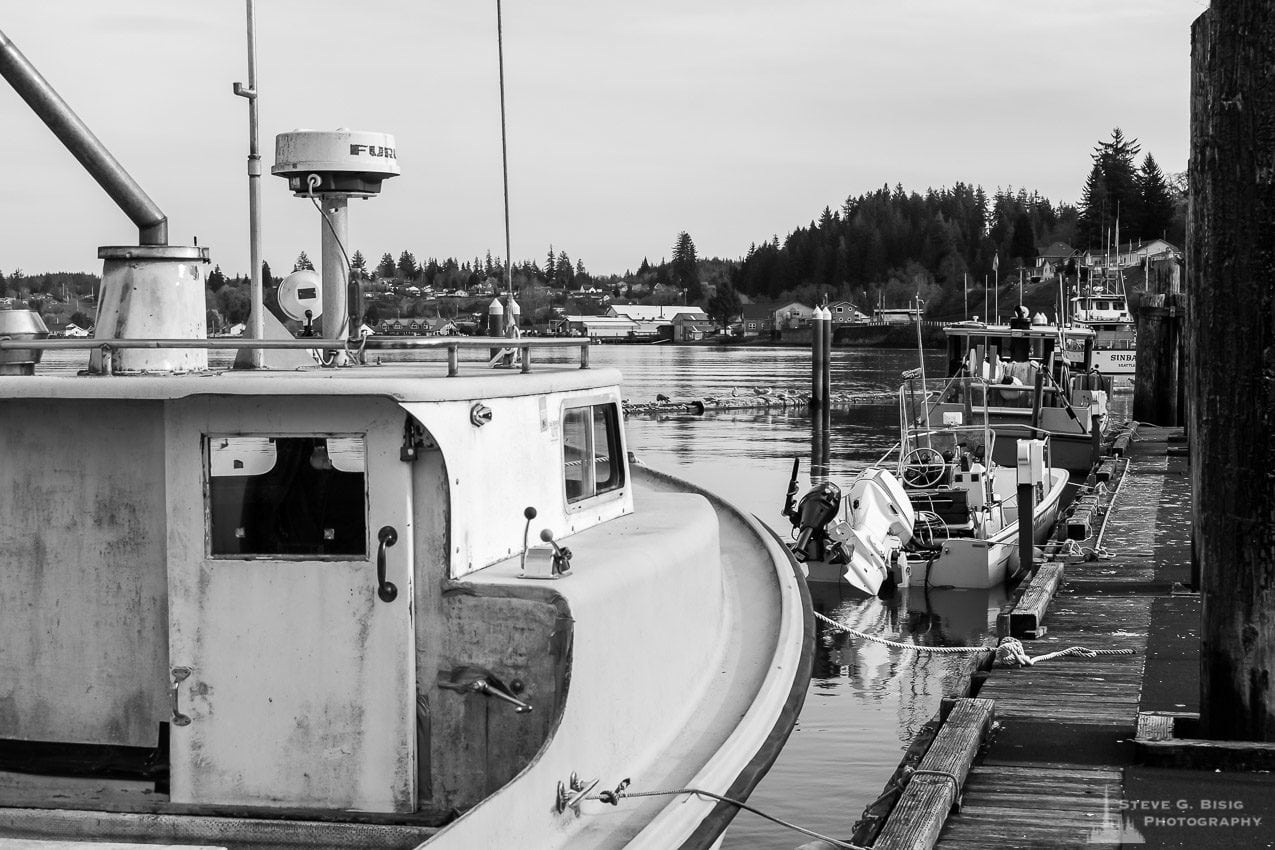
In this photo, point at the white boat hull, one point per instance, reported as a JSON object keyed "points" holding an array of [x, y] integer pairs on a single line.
{"points": [[968, 562]]}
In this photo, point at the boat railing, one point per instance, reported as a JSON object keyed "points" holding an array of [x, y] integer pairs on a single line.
{"points": [[356, 349]]}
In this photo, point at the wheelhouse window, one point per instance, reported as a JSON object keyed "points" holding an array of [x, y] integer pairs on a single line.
{"points": [[286, 496], [591, 448]]}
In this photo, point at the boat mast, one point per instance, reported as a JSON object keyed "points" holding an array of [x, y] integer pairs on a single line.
{"points": [[256, 316], [504, 156]]}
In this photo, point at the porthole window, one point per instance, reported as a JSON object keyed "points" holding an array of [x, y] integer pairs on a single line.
{"points": [[592, 463]]}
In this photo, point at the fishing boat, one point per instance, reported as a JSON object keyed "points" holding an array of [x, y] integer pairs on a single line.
{"points": [[945, 514], [328, 600], [1104, 310], [1040, 380]]}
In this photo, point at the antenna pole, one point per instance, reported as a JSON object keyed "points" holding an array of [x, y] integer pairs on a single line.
{"points": [[256, 318], [504, 155]]}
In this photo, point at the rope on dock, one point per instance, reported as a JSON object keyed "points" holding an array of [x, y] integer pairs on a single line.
{"points": [[1009, 652], [614, 798]]}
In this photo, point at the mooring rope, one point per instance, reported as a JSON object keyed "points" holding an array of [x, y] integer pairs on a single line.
{"points": [[1009, 652], [614, 798]]}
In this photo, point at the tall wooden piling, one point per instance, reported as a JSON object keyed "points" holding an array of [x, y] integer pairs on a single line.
{"points": [[1159, 392], [827, 355], [1230, 335], [817, 399]]}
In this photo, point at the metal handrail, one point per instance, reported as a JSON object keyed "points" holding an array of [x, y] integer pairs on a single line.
{"points": [[451, 345]]}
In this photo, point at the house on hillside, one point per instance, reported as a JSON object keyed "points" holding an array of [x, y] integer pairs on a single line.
{"points": [[1132, 254], [74, 330], [1052, 259]]}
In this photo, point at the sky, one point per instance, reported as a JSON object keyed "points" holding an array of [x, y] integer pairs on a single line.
{"points": [[732, 120]]}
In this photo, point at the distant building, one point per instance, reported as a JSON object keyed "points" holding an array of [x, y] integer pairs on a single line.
{"points": [[757, 320], [845, 313], [1132, 254], [1053, 259], [72, 329], [896, 315], [692, 326], [792, 316], [597, 327]]}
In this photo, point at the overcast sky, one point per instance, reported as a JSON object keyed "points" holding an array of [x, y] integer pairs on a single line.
{"points": [[734, 120]]}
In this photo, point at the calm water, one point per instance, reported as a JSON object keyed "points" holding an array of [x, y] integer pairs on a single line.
{"points": [[865, 702]]}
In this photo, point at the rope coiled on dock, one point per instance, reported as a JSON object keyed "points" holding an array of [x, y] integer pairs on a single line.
{"points": [[1009, 653]]}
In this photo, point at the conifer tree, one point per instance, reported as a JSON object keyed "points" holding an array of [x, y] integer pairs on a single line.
{"points": [[1158, 206], [386, 267], [407, 268], [216, 279], [358, 265], [684, 268], [303, 262]]}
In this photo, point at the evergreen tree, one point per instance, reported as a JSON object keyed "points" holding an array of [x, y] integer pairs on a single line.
{"points": [[267, 279], [1158, 205], [358, 265], [407, 268], [303, 262], [645, 267], [1023, 242], [563, 272], [684, 270], [386, 267], [1120, 195], [551, 267], [724, 305], [216, 280]]}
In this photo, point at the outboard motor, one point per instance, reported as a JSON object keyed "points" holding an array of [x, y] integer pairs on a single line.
{"points": [[813, 513]]}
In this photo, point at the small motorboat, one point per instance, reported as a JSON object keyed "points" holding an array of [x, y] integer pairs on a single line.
{"points": [[946, 514]]}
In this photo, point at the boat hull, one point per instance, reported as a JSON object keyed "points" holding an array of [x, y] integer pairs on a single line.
{"points": [[967, 562]]}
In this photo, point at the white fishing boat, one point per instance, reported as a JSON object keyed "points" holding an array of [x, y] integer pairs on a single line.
{"points": [[1040, 381], [946, 513], [1104, 310], [329, 602]]}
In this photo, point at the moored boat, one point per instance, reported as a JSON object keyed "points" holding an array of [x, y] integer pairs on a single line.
{"points": [[947, 515], [298, 605], [1033, 388], [1105, 311]]}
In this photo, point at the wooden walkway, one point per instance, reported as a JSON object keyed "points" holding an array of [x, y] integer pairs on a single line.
{"points": [[1054, 774]]}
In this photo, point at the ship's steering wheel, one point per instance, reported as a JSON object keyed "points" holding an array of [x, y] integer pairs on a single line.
{"points": [[922, 467]]}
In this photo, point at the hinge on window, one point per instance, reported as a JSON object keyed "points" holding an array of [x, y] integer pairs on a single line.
{"points": [[415, 441]]}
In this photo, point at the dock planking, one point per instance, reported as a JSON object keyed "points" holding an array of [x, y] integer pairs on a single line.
{"points": [[1053, 774]]}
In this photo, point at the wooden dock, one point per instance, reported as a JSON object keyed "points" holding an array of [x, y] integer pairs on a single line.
{"points": [[1061, 769]]}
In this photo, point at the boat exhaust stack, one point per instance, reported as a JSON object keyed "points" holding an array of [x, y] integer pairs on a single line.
{"points": [[151, 222], [149, 291]]}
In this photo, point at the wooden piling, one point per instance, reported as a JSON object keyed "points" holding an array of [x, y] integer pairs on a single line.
{"points": [[1230, 265], [1158, 391], [817, 399]]}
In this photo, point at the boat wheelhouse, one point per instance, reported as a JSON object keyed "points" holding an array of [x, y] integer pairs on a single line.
{"points": [[1033, 388], [1106, 312]]}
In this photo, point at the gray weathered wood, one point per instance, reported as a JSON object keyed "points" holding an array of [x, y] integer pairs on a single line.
{"points": [[1230, 265], [923, 808], [1027, 617]]}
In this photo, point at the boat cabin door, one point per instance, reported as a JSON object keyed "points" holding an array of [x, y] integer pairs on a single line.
{"points": [[291, 644]]}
